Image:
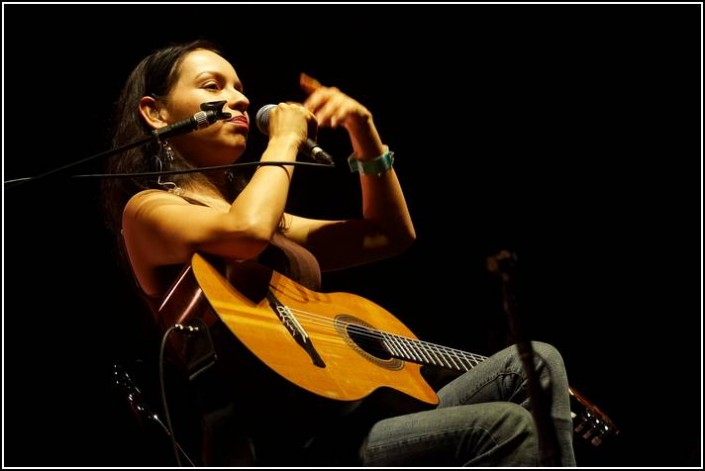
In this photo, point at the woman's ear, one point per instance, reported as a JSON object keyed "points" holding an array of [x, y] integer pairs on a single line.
{"points": [[152, 112]]}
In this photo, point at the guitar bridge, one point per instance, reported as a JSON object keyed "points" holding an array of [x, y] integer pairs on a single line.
{"points": [[295, 328]]}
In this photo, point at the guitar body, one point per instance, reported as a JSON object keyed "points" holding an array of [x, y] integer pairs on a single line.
{"points": [[348, 372]]}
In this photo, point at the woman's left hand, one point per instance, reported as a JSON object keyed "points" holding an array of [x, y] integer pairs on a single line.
{"points": [[334, 108]]}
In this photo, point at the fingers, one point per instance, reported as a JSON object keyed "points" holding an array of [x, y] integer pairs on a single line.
{"points": [[308, 83], [318, 95], [330, 106], [312, 123], [290, 117], [324, 102], [332, 111]]}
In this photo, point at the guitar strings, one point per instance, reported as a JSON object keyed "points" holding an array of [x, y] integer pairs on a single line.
{"points": [[397, 345]]}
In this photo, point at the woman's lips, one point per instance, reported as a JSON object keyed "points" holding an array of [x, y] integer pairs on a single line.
{"points": [[239, 121]]}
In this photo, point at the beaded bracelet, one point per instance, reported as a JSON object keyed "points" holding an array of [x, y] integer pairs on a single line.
{"points": [[376, 166]]}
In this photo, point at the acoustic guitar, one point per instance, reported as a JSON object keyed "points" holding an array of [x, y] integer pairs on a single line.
{"points": [[338, 346]]}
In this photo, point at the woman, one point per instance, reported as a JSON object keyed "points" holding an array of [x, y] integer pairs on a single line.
{"points": [[161, 222]]}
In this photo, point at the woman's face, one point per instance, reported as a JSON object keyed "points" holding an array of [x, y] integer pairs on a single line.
{"points": [[202, 77]]}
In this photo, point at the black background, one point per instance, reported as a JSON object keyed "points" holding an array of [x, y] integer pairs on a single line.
{"points": [[567, 133]]}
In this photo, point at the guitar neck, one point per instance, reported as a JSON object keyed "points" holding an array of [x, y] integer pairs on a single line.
{"points": [[431, 354]]}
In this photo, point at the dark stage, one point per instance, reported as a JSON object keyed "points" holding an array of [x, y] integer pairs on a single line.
{"points": [[569, 134]]}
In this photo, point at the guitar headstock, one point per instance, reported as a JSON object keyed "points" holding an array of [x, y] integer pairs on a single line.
{"points": [[589, 421]]}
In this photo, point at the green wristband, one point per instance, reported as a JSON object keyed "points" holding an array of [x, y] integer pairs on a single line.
{"points": [[376, 166]]}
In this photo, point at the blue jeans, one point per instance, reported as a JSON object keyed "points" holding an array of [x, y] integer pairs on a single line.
{"points": [[483, 419]]}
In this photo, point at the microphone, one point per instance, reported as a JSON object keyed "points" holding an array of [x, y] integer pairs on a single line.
{"points": [[209, 114], [311, 149]]}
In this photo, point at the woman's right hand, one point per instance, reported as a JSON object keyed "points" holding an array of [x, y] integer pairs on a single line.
{"points": [[292, 121]]}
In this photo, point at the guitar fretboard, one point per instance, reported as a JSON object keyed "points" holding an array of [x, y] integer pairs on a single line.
{"points": [[427, 353]]}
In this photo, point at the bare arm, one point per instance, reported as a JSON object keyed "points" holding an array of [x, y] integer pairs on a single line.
{"points": [[162, 229], [385, 228]]}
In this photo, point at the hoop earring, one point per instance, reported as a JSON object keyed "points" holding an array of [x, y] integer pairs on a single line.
{"points": [[164, 159]]}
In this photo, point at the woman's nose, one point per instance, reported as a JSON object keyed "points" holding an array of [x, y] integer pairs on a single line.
{"points": [[238, 101]]}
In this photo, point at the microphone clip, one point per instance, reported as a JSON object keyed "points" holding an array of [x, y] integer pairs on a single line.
{"points": [[214, 110], [210, 112]]}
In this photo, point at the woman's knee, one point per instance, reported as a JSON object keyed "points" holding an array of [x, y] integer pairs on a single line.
{"points": [[517, 420], [549, 355], [513, 437]]}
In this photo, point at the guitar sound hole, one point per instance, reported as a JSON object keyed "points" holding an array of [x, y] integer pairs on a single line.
{"points": [[370, 341], [366, 340]]}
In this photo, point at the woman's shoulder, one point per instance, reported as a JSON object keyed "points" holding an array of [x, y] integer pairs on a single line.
{"points": [[153, 194], [157, 196], [150, 197]]}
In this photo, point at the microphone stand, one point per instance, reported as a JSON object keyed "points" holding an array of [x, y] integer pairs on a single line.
{"points": [[504, 265], [210, 113], [106, 153]]}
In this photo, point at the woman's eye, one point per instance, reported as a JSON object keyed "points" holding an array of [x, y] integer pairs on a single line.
{"points": [[211, 86]]}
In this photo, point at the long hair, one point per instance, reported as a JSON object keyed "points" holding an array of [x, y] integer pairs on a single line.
{"points": [[155, 75]]}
